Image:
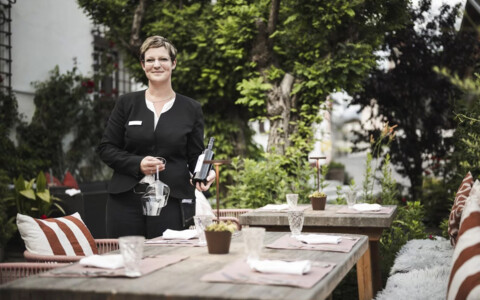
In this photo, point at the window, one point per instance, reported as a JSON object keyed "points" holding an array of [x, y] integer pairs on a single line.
{"points": [[112, 79]]}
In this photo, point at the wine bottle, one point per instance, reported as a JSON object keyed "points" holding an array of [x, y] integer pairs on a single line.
{"points": [[202, 169]]}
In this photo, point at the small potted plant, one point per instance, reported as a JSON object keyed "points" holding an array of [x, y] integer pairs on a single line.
{"points": [[318, 200], [219, 236]]}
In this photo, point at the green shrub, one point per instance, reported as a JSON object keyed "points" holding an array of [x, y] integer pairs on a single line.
{"points": [[257, 183]]}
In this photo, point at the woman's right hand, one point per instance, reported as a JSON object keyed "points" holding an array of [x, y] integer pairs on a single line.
{"points": [[148, 165]]}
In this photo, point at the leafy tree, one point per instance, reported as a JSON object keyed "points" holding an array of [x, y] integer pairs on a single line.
{"points": [[278, 59], [412, 95]]}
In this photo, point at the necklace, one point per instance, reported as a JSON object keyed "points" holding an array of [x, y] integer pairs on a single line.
{"points": [[162, 100]]}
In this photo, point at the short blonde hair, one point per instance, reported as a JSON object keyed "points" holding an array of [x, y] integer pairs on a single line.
{"points": [[157, 41]]}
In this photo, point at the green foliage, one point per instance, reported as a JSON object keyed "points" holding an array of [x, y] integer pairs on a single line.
{"points": [[7, 222], [407, 225], [222, 226], [389, 194], [444, 227], [9, 117], [220, 60], [257, 183], [33, 197]]}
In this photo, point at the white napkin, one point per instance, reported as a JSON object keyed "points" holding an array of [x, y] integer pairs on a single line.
{"points": [[275, 207], [179, 234], [72, 192], [319, 239], [367, 207], [111, 261], [281, 267]]}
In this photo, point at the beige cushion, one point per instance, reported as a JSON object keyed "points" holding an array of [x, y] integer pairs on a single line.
{"points": [[464, 281], [56, 236], [457, 208]]}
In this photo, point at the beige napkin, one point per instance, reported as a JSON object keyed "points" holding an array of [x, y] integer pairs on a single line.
{"points": [[113, 261], [319, 239], [367, 207], [179, 234], [281, 267], [275, 207]]}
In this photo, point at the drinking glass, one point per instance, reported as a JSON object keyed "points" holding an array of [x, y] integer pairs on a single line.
{"points": [[292, 200], [202, 222], [253, 240], [351, 196], [295, 221], [131, 248]]}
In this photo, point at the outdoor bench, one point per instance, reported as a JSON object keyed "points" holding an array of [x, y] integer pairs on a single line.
{"points": [[420, 271]]}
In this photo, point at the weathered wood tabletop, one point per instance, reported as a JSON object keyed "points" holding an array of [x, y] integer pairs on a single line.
{"points": [[329, 220], [182, 280]]}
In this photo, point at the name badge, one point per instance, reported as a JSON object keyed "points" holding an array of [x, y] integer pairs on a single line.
{"points": [[133, 123], [189, 201]]}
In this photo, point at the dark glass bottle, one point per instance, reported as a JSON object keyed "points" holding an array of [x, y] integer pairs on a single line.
{"points": [[202, 169]]}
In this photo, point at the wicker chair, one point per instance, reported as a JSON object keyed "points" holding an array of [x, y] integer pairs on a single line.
{"points": [[15, 270], [103, 245], [232, 214]]}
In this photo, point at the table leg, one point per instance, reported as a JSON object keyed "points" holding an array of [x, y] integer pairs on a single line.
{"points": [[364, 276], [376, 271]]}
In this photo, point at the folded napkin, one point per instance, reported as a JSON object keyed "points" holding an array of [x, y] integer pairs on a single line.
{"points": [[179, 234], [319, 239], [281, 267], [367, 207], [275, 207], [111, 261], [72, 192]]}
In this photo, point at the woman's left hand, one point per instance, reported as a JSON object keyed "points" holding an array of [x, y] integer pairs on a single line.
{"points": [[210, 179]]}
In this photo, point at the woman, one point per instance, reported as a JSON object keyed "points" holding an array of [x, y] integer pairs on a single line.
{"points": [[156, 122]]}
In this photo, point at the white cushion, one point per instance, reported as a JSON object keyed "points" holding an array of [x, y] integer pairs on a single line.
{"points": [[422, 284], [422, 254], [56, 236]]}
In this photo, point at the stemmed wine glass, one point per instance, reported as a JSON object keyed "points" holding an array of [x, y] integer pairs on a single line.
{"points": [[156, 195]]}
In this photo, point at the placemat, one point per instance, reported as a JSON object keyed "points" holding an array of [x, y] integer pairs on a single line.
{"points": [[288, 242], [240, 272], [147, 265], [272, 208], [169, 242], [347, 210]]}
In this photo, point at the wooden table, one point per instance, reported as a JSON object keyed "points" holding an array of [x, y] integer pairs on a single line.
{"points": [[182, 280], [329, 220]]}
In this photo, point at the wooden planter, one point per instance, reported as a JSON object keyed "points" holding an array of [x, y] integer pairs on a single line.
{"points": [[318, 203], [218, 242]]}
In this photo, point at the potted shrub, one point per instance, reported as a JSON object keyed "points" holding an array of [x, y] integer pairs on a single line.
{"points": [[336, 171], [219, 236], [318, 200]]}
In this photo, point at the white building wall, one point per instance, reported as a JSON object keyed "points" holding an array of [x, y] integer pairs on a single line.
{"points": [[46, 33]]}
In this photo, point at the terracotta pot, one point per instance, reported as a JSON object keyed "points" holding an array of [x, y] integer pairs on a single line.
{"points": [[218, 242], [318, 203]]}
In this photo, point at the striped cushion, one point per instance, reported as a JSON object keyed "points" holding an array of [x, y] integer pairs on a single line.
{"points": [[464, 281], [56, 236], [457, 208]]}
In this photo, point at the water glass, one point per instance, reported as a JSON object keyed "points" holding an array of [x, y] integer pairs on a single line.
{"points": [[131, 248], [351, 196], [292, 200], [253, 240], [202, 222], [295, 221]]}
